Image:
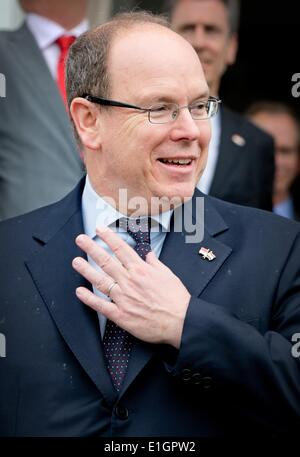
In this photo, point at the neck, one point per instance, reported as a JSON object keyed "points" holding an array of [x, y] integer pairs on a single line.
{"points": [[132, 205], [279, 197], [214, 89], [65, 13]]}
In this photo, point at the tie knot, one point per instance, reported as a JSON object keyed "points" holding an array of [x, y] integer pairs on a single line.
{"points": [[65, 41], [139, 230]]}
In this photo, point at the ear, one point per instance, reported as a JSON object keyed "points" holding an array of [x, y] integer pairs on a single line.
{"points": [[86, 118], [232, 48]]}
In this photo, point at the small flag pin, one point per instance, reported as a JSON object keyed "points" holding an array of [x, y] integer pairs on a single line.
{"points": [[207, 254]]}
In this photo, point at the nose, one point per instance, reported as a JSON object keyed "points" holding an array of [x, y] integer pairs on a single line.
{"points": [[185, 127], [199, 37]]}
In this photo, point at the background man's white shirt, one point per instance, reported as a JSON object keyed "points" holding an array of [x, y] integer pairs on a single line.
{"points": [[207, 177]]}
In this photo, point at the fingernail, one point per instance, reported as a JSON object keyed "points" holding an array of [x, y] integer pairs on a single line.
{"points": [[80, 239], [78, 292], [76, 262]]}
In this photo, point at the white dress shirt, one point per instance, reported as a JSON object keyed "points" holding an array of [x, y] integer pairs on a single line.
{"points": [[46, 33], [285, 208], [96, 211], [205, 181]]}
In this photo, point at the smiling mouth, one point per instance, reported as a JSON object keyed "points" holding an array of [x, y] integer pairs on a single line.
{"points": [[177, 162]]}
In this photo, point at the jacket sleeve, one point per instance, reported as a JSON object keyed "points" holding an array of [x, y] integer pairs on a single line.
{"points": [[260, 373]]}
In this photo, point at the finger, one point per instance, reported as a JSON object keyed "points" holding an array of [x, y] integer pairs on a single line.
{"points": [[154, 261], [100, 280], [151, 259], [105, 307], [124, 253], [105, 261]]}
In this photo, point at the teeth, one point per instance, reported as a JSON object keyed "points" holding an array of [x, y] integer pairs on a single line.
{"points": [[184, 161], [178, 162]]}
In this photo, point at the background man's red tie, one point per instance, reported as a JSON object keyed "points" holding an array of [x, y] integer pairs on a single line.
{"points": [[64, 42]]}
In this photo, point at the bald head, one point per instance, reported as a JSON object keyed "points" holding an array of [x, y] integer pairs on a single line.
{"points": [[135, 53], [91, 56]]}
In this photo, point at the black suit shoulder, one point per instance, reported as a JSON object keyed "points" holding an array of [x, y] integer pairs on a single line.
{"points": [[43, 223], [238, 122], [245, 220], [245, 167], [17, 235]]}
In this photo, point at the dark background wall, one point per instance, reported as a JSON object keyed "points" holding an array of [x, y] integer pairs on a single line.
{"points": [[268, 54]]}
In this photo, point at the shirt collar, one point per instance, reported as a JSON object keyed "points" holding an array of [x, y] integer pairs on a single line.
{"points": [[285, 208], [216, 121], [96, 211], [46, 31]]}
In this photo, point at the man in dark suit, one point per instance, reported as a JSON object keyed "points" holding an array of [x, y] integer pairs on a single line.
{"points": [[200, 342], [240, 166], [280, 121], [40, 161]]}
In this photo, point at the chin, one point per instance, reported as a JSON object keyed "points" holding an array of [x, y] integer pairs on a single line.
{"points": [[178, 193]]}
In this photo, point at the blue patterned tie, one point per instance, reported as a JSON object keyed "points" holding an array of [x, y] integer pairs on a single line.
{"points": [[117, 342]]}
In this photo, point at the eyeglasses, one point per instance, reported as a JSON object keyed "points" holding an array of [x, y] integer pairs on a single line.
{"points": [[162, 113]]}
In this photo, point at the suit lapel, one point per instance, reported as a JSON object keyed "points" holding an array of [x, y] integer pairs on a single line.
{"points": [[34, 73], [56, 282], [183, 257]]}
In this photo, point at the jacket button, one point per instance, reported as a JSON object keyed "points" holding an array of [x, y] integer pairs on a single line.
{"points": [[186, 374], [121, 412], [196, 378], [207, 383]]}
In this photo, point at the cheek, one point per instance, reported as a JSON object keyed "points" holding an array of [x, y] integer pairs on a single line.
{"points": [[222, 58], [205, 135], [294, 165], [288, 164], [138, 136], [132, 125]]}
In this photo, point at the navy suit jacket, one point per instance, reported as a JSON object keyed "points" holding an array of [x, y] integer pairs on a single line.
{"points": [[234, 373]]}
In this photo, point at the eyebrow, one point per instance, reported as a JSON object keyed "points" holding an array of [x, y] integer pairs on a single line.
{"points": [[170, 98], [202, 96]]}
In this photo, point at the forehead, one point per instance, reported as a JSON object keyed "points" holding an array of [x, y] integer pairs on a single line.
{"points": [[154, 57], [280, 125], [201, 11]]}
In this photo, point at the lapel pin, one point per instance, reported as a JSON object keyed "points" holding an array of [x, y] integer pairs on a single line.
{"points": [[238, 140], [207, 254]]}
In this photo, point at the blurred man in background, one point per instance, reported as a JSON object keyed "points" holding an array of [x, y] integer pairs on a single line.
{"points": [[280, 121], [240, 166], [40, 161]]}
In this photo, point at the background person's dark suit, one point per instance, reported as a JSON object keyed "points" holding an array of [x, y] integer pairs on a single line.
{"points": [[295, 191], [235, 373], [245, 166], [39, 159]]}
